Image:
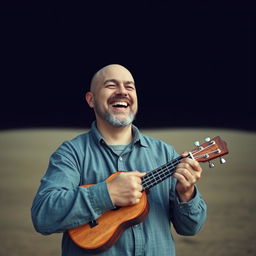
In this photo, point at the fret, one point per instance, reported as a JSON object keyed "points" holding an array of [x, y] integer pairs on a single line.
{"points": [[160, 174]]}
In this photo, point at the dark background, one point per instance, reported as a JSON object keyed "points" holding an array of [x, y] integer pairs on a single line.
{"points": [[193, 63]]}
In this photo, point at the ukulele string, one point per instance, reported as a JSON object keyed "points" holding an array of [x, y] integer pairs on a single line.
{"points": [[163, 170], [209, 153], [160, 172], [155, 176], [200, 150]]}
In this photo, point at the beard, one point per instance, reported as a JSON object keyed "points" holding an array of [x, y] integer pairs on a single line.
{"points": [[113, 120]]}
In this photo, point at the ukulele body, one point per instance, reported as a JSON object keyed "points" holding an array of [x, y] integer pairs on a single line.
{"points": [[110, 225]]}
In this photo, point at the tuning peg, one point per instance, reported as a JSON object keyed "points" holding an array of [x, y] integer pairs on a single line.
{"points": [[222, 160], [197, 143], [207, 139], [211, 164]]}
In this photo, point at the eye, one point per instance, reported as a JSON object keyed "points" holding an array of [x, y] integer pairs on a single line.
{"points": [[130, 87], [110, 86]]}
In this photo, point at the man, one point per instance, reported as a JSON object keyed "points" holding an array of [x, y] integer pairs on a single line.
{"points": [[114, 144]]}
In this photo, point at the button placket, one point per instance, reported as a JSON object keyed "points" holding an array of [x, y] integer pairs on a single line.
{"points": [[120, 163]]}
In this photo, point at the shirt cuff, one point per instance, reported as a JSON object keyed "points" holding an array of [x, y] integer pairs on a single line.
{"points": [[100, 198], [190, 207]]}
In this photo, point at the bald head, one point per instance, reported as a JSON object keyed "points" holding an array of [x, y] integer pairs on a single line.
{"points": [[112, 71], [113, 96]]}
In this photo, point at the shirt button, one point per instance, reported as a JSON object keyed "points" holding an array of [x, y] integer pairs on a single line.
{"points": [[120, 158]]}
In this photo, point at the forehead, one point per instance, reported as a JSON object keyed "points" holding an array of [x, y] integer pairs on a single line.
{"points": [[115, 73], [110, 73]]}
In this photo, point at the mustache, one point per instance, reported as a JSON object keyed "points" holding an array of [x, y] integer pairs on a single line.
{"points": [[119, 97]]}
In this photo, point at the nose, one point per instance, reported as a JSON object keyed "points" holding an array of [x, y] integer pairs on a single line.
{"points": [[122, 90]]}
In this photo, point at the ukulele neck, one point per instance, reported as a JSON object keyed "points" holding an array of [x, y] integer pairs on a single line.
{"points": [[160, 174], [205, 152]]}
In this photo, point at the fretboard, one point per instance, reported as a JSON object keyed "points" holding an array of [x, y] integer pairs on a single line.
{"points": [[160, 174]]}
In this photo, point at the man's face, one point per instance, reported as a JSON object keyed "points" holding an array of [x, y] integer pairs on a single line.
{"points": [[115, 97]]}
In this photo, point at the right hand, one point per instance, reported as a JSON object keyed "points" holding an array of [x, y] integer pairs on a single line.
{"points": [[126, 189]]}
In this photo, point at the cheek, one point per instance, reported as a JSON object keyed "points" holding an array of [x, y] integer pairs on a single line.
{"points": [[104, 96], [135, 103]]}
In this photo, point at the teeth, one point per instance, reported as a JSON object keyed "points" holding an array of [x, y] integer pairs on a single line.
{"points": [[125, 104]]}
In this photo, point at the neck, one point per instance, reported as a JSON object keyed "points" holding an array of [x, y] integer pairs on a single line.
{"points": [[115, 135]]}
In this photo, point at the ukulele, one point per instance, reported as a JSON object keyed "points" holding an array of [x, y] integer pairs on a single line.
{"points": [[99, 235]]}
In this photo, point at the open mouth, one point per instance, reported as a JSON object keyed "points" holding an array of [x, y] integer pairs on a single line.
{"points": [[120, 104]]}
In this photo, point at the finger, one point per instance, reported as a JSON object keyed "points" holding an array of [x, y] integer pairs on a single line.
{"points": [[138, 197], [140, 174], [140, 188], [185, 154], [191, 164], [136, 201], [136, 173], [185, 175], [181, 178], [184, 168], [189, 174], [136, 176], [136, 181]]}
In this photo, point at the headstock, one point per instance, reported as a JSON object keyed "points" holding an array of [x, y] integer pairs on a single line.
{"points": [[209, 150]]}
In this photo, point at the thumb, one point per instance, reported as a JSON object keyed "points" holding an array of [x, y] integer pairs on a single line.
{"points": [[138, 174], [185, 154]]}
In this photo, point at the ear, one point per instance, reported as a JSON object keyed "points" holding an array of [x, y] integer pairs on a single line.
{"points": [[90, 99]]}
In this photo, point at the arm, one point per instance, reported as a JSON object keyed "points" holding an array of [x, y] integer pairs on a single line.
{"points": [[60, 203], [189, 211]]}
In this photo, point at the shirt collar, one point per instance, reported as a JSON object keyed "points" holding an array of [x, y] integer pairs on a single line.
{"points": [[137, 136], [96, 134]]}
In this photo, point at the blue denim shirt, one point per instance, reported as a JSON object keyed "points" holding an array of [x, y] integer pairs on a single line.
{"points": [[60, 204]]}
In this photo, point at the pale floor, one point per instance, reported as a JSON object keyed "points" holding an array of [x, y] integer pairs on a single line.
{"points": [[229, 191]]}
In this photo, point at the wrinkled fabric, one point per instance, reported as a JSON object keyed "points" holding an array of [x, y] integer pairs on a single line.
{"points": [[61, 204]]}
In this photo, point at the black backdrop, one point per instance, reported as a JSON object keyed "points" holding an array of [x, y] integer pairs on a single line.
{"points": [[193, 63]]}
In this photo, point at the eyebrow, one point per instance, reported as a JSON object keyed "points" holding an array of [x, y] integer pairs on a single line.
{"points": [[116, 81]]}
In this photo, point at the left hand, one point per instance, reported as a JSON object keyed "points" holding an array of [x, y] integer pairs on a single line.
{"points": [[187, 172]]}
